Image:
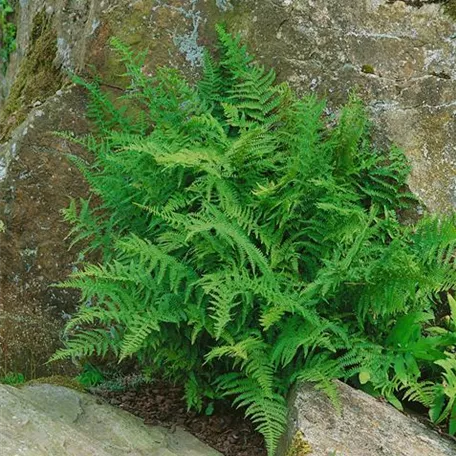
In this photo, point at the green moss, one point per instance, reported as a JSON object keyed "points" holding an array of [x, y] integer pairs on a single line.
{"points": [[368, 69], [58, 380], [450, 8], [299, 446], [37, 78]]}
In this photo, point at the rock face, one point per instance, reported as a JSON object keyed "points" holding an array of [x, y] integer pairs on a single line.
{"points": [[400, 56], [36, 179], [33, 250], [47, 420], [366, 427]]}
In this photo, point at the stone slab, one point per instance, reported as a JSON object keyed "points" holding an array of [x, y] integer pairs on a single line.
{"points": [[366, 427], [48, 420]]}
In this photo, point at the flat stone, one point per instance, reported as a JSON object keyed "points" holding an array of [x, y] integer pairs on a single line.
{"points": [[366, 427], [48, 420]]}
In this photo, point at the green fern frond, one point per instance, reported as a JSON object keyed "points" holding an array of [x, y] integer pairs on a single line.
{"points": [[94, 342], [137, 334], [250, 241]]}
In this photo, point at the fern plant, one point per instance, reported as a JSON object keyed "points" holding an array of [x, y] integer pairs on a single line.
{"points": [[246, 245]]}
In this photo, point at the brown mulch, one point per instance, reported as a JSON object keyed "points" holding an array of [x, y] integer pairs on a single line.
{"points": [[160, 403]]}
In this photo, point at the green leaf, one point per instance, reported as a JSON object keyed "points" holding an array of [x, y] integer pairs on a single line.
{"points": [[400, 369], [392, 399], [439, 402], [452, 425], [364, 377], [452, 304], [209, 409]]}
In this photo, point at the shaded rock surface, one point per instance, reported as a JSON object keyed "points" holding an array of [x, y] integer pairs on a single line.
{"points": [[33, 250], [400, 56], [45, 420], [366, 427]]}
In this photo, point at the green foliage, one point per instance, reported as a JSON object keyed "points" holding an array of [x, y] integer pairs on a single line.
{"points": [[113, 381], [7, 33], [90, 376], [13, 378], [247, 245]]}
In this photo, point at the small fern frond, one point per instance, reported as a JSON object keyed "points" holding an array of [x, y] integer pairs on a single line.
{"points": [[90, 343]]}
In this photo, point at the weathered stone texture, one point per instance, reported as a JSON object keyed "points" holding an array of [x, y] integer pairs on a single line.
{"points": [[33, 250], [47, 420], [401, 59], [366, 427]]}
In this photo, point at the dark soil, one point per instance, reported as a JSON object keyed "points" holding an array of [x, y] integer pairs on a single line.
{"points": [[160, 403]]}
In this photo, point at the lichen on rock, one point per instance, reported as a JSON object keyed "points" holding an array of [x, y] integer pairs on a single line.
{"points": [[224, 5], [187, 43], [368, 69]]}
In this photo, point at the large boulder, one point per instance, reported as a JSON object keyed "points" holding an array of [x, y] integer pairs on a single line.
{"points": [[46, 420], [400, 56], [36, 180], [365, 427]]}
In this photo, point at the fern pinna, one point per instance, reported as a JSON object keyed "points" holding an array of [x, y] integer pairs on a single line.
{"points": [[247, 245]]}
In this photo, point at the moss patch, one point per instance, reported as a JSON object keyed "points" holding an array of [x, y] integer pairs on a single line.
{"points": [[368, 69], [450, 8], [37, 78], [299, 446], [58, 380]]}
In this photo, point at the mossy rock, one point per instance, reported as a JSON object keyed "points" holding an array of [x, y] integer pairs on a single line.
{"points": [[299, 446], [58, 380], [450, 8], [37, 79]]}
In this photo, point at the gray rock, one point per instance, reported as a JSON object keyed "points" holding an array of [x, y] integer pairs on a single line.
{"points": [[366, 427], [46, 420], [400, 58]]}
